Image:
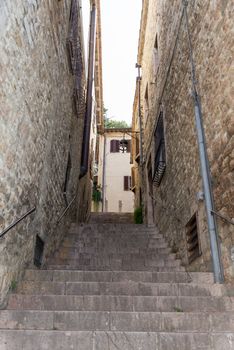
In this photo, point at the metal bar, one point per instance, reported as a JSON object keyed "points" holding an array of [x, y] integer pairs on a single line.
{"points": [[222, 217], [205, 170], [66, 209], [139, 113], [16, 222]]}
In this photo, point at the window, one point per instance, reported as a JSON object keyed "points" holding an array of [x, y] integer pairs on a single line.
{"points": [[67, 177], [114, 146], [146, 103], [127, 183], [160, 154], [192, 238], [156, 56]]}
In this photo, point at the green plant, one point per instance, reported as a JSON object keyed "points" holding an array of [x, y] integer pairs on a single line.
{"points": [[97, 194], [177, 309], [13, 285], [138, 216]]}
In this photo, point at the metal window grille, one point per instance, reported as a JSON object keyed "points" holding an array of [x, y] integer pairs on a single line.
{"points": [[38, 251], [192, 238], [160, 154], [74, 45]]}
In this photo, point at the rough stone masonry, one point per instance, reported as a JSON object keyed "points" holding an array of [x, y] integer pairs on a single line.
{"points": [[166, 87], [41, 131]]}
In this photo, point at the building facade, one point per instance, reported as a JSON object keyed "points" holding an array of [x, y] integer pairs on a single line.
{"points": [[114, 172], [43, 108], [171, 182]]}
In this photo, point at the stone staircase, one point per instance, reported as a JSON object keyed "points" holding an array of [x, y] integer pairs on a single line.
{"points": [[117, 287]]}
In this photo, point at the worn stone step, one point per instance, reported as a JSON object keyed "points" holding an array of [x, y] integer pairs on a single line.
{"points": [[117, 321], [98, 340], [51, 266], [120, 288], [124, 240], [73, 253], [111, 217], [76, 243], [117, 263], [120, 303], [117, 276]]}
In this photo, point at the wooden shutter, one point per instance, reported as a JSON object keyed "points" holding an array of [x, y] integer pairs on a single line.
{"points": [[114, 146], [129, 146], [117, 146], [125, 183]]}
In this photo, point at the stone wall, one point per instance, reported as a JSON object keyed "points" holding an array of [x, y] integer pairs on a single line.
{"points": [[169, 90], [41, 124]]}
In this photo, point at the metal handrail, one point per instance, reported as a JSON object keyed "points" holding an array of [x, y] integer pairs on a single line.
{"points": [[66, 209], [222, 217], [8, 228]]}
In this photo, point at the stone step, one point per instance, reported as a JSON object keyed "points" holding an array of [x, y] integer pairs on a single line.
{"points": [[121, 240], [52, 266], [117, 321], [116, 262], [120, 288], [112, 217], [73, 251], [120, 303], [98, 340], [74, 254], [117, 276], [112, 228], [76, 243], [114, 234]]}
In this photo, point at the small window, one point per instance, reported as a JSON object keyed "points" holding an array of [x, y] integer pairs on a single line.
{"points": [[193, 245], [114, 146], [160, 154], [156, 56], [146, 103], [127, 183], [67, 177], [38, 251]]}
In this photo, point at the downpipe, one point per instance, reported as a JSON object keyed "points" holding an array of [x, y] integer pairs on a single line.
{"points": [[205, 168], [205, 172], [89, 99]]}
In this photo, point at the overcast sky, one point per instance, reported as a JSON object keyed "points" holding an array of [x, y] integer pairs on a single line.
{"points": [[120, 30]]}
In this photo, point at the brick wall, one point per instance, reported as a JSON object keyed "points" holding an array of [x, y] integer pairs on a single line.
{"points": [[40, 126]]}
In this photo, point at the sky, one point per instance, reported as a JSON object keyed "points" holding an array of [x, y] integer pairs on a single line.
{"points": [[120, 31]]}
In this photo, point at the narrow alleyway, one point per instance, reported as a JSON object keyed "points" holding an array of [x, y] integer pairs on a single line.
{"points": [[114, 285]]}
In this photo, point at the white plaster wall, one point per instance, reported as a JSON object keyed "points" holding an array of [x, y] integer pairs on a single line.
{"points": [[117, 166]]}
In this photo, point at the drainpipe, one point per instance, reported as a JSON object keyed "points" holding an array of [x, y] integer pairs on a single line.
{"points": [[205, 169], [89, 101], [138, 66], [104, 174]]}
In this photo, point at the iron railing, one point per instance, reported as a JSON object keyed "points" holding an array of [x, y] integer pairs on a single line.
{"points": [[8, 228]]}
